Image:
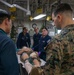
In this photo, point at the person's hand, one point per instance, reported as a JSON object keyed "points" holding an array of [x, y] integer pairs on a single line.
{"points": [[33, 55], [26, 49], [36, 63], [24, 56], [39, 53]]}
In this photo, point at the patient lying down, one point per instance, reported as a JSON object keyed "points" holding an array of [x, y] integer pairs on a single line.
{"points": [[29, 58]]}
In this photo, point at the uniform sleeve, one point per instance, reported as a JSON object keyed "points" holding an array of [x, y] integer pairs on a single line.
{"points": [[52, 59], [49, 39], [33, 40], [29, 40], [9, 59], [58, 58], [18, 41], [33, 37]]}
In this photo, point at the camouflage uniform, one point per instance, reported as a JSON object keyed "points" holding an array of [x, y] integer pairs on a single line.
{"points": [[60, 53]]}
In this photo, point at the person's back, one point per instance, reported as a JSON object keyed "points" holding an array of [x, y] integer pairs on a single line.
{"points": [[8, 59], [5, 52]]}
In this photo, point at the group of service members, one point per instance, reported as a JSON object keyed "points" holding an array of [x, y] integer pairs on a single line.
{"points": [[39, 41]]}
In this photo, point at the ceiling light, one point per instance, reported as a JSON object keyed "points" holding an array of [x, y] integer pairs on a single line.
{"points": [[39, 16], [48, 18], [73, 18], [31, 18]]}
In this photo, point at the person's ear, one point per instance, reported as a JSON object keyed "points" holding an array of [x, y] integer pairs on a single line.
{"points": [[59, 17], [6, 21]]}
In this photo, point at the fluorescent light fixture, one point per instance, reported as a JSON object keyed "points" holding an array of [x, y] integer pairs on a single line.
{"points": [[73, 18], [39, 16]]}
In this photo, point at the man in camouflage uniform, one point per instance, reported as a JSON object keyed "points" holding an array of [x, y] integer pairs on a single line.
{"points": [[60, 51]]}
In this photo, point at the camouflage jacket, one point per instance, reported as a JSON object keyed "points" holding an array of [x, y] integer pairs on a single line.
{"points": [[60, 53]]}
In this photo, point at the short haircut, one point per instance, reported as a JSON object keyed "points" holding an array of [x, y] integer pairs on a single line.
{"points": [[45, 28], [3, 15], [24, 28], [63, 7], [36, 28]]}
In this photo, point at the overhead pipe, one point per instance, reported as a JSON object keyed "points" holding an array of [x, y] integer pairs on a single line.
{"points": [[15, 5], [28, 8], [9, 5], [19, 7], [53, 3], [27, 4]]}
